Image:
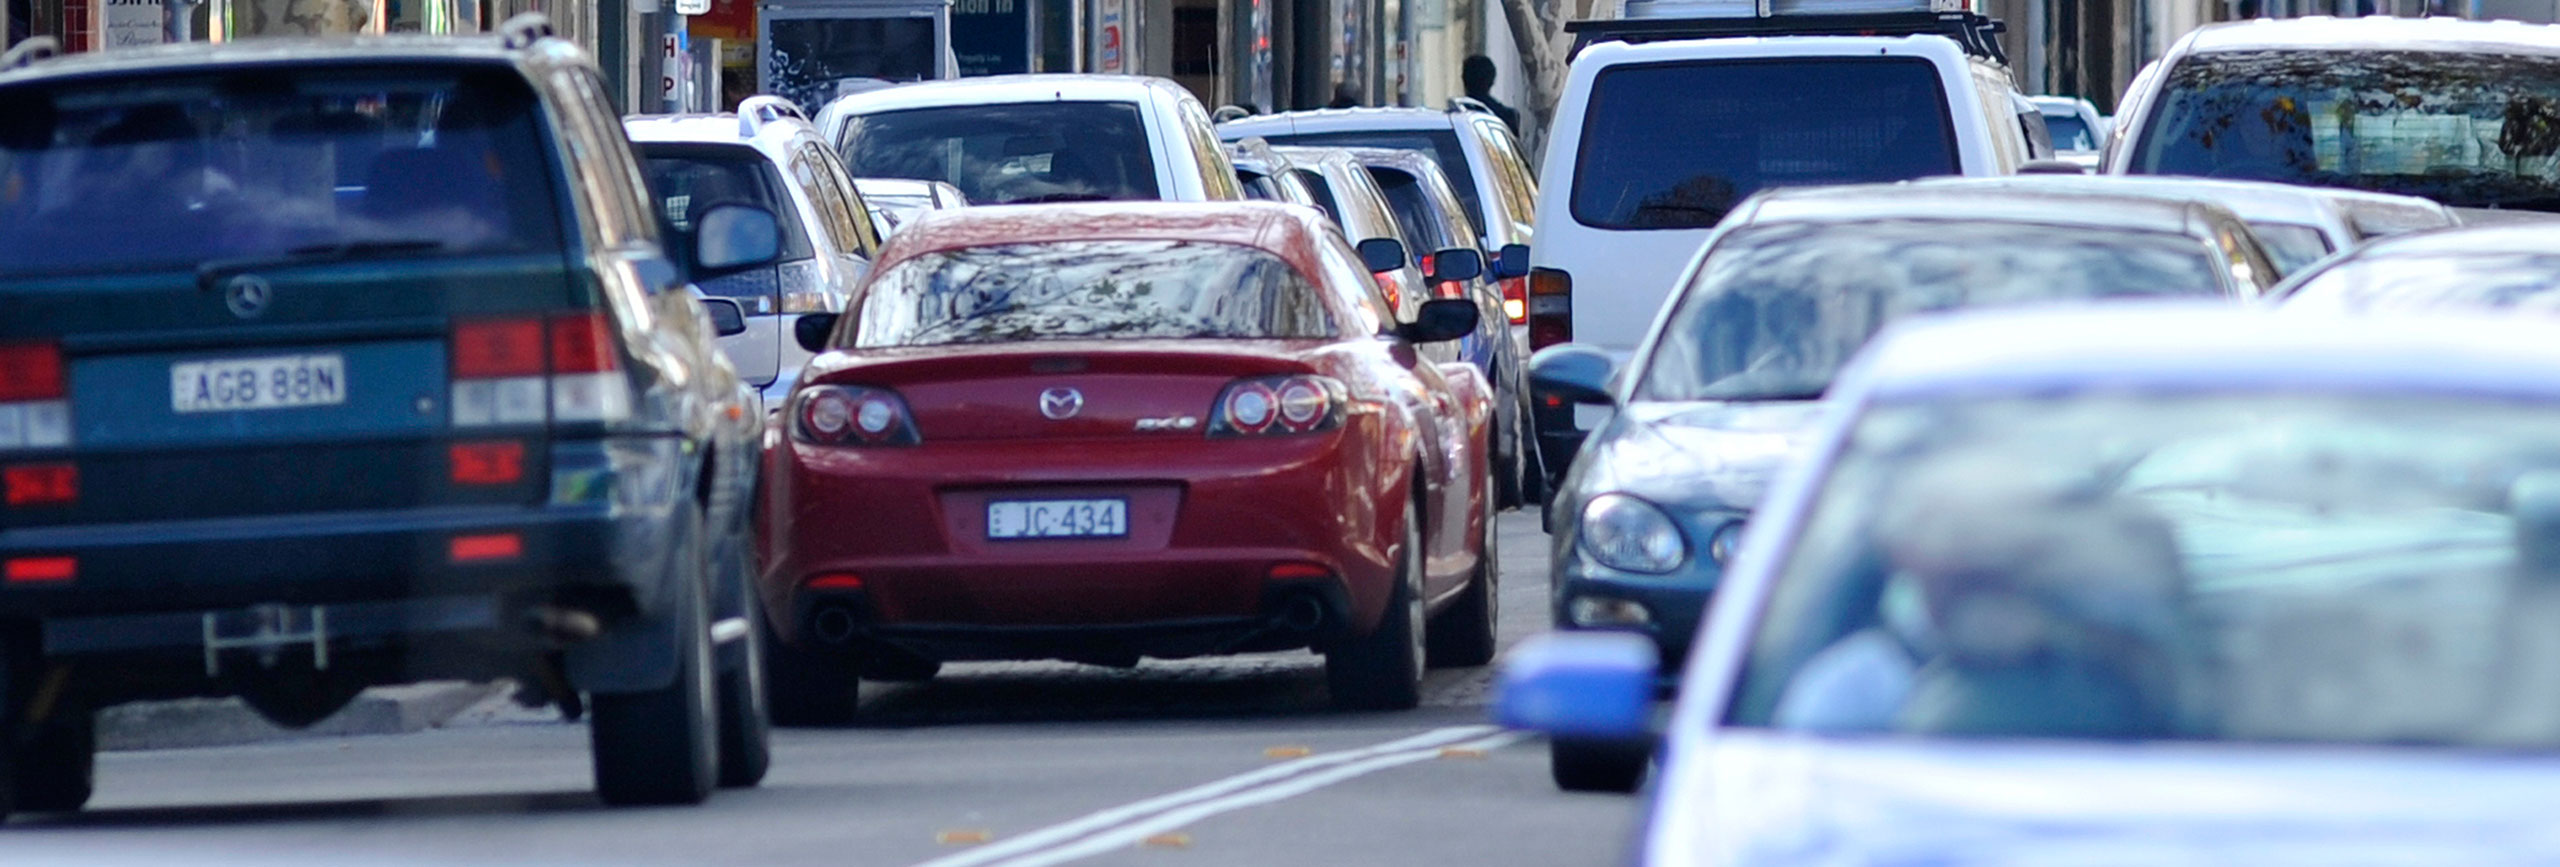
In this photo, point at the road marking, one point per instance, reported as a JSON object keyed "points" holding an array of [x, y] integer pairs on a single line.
{"points": [[1137, 822], [1287, 753], [966, 837], [1425, 745], [1174, 840]]}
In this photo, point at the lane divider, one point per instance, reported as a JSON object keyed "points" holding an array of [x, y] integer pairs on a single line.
{"points": [[1036, 846]]}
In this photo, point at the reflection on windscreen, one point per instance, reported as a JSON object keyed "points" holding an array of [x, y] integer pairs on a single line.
{"points": [[1010, 153], [1676, 145], [1779, 308], [2465, 129], [2228, 567], [266, 164], [1086, 290], [2519, 280]]}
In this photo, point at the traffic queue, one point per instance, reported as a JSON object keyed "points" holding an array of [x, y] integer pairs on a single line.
{"points": [[1913, 460]]}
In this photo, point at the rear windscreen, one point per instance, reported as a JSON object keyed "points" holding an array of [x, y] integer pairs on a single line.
{"points": [[689, 180], [1084, 290], [178, 171], [1677, 145], [1440, 144], [1015, 153]]}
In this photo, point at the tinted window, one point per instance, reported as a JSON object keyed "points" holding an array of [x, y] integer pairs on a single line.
{"points": [[1323, 193], [2520, 280], [1003, 154], [1675, 146], [184, 170], [689, 180], [1425, 232], [2468, 129], [815, 58], [1258, 186], [2070, 133], [1778, 309], [2099, 564], [1090, 290], [2291, 246], [1440, 144]]}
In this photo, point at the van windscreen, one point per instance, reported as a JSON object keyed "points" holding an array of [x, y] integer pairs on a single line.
{"points": [[1676, 145]]}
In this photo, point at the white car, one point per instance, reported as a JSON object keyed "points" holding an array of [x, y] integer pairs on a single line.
{"points": [[2297, 225], [766, 156], [1655, 141], [1027, 139], [2079, 131]]}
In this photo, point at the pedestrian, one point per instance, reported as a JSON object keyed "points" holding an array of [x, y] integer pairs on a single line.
{"points": [[1477, 74], [1345, 95]]}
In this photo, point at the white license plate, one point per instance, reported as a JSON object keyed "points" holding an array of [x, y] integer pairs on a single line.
{"points": [[1057, 519], [273, 382]]}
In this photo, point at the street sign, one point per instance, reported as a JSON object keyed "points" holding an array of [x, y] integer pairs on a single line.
{"points": [[693, 7]]}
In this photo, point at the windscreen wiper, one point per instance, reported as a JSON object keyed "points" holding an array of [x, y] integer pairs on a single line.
{"points": [[213, 273]]}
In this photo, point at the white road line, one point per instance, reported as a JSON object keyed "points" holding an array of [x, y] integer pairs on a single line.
{"points": [[1428, 743], [1125, 836]]}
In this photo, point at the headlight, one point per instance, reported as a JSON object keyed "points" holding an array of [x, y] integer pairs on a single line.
{"points": [[1720, 546], [1623, 532]]}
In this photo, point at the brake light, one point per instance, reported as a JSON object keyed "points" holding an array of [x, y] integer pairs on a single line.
{"points": [[1389, 286], [1278, 405], [485, 547], [41, 570], [524, 370], [34, 410], [30, 371], [492, 463], [845, 415], [1550, 306], [800, 288], [43, 484], [835, 581], [1515, 299]]}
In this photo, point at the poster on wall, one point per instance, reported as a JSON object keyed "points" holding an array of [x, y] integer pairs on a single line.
{"points": [[134, 23], [1109, 39], [991, 37]]}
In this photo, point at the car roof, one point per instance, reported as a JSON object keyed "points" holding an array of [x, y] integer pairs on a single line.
{"points": [[1288, 231], [1325, 120], [2253, 201], [2530, 238], [1613, 53], [389, 49], [1034, 87], [2185, 346], [1859, 203], [2377, 32]]}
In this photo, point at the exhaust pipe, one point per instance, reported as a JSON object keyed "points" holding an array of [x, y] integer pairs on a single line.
{"points": [[1302, 614], [565, 624], [833, 624]]}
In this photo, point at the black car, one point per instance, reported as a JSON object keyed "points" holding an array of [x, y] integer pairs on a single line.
{"points": [[437, 403]]}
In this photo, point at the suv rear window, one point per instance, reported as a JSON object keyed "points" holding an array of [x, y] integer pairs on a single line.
{"points": [[170, 172], [687, 180], [1007, 154], [1676, 145], [1440, 144], [1083, 290]]}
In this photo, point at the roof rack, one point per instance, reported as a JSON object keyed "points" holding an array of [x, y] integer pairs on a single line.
{"points": [[526, 28], [28, 52], [756, 111], [1461, 103], [1979, 35]]}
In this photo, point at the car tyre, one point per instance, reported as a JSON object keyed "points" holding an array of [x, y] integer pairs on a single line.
{"points": [[56, 766], [746, 721], [1464, 635], [661, 746], [1598, 766], [1383, 670], [806, 688]]}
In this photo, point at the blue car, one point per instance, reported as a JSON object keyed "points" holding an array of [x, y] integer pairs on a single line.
{"points": [[2143, 585], [1730, 384]]}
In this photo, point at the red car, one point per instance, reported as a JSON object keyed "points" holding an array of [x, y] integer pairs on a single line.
{"points": [[1111, 431]]}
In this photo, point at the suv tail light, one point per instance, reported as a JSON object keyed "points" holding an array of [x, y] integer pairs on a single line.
{"points": [[846, 415], [1278, 405], [1550, 308], [524, 370], [35, 412], [43, 484], [1515, 299], [800, 290]]}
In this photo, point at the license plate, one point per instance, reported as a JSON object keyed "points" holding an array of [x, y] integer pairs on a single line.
{"points": [[274, 382], [1057, 519]]}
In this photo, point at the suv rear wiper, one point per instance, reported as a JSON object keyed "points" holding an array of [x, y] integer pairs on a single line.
{"points": [[212, 272]]}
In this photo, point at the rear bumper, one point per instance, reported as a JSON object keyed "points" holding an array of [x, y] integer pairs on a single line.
{"points": [[1208, 521]]}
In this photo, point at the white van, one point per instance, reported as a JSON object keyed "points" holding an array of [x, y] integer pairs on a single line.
{"points": [[1658, 135]]}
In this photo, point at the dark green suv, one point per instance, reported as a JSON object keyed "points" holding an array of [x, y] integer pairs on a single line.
{"points": [[325, 365]]}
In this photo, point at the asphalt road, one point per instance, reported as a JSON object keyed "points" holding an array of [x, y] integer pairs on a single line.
{"points": [[1224, 762]]}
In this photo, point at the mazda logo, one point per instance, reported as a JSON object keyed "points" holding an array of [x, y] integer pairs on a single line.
{"points": [[1060, 404], [247, 296]]}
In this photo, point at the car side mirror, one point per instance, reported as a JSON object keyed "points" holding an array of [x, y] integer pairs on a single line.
{"points": [[1585, 686], [730, 237], [1511, 261], [1574, 372], [1382, 254], [813, 329], [1456, 265], [1440, 320], [727, 316]]}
